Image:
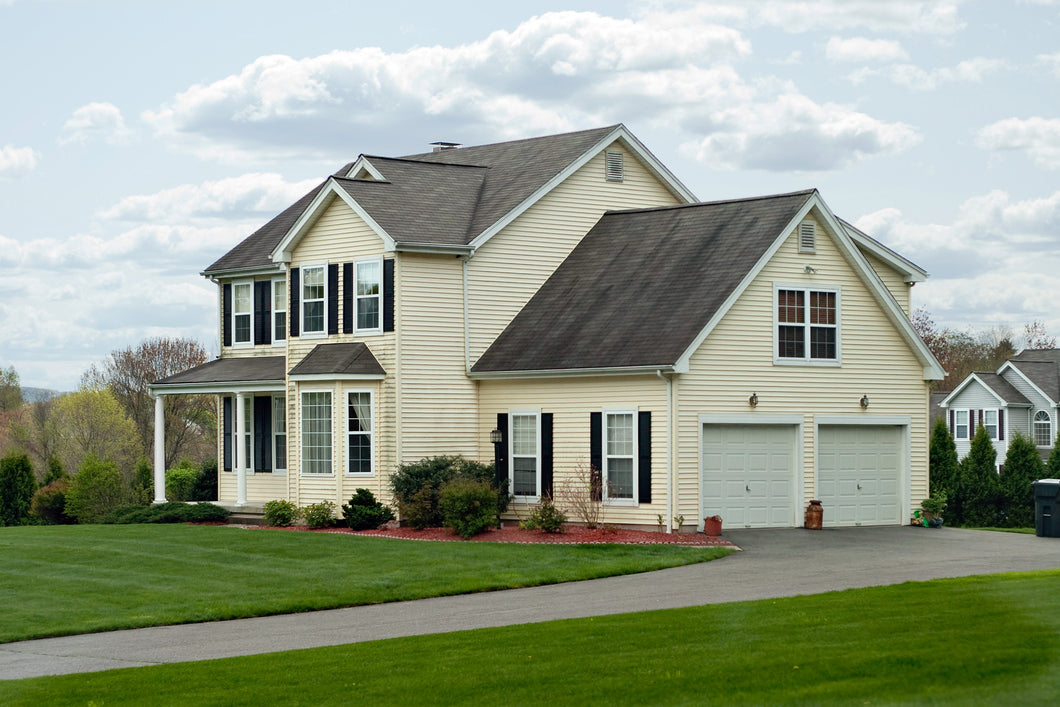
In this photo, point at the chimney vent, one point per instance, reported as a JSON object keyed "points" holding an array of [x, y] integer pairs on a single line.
{"points": [[439, 146]]}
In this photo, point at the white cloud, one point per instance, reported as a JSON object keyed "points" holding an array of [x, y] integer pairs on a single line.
{"points": [[1038, 137], [918, 79], [938, 17], [862, 50], [17, 161], [1051, 62], [102, 121]]}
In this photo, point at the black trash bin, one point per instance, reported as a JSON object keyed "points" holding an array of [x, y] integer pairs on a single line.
{"points": [[1046, 515]]}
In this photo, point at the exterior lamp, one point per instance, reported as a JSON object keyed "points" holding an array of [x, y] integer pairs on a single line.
{"points": [[496, 437], [753, 400], [864, 401]]}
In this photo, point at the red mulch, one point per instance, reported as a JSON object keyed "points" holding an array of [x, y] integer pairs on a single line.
{"points": [[572, 535]]}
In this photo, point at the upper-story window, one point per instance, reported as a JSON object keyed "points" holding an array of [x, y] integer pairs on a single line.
{"points": [[243, 313], [1043, 429], [807, 325], [314, 287], [960, 424], [279, 310], [369, 274], [990, 423]]}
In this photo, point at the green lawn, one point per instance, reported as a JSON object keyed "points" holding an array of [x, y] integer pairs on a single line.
{"points": [[985, 640], [58, 580]]}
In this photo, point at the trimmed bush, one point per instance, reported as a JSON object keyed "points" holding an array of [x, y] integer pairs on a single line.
{"points": [[281, 513], [417, 487], [545, 517], [17, 485], [1023, 466], [468, 507], [181, 481], [363, 512], [319, 515], [49, 503], [979, 490], [172, 512], [96, 490]]}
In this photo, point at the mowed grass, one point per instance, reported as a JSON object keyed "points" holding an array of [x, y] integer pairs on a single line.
{"points": [[988, 640], [59, 580]]}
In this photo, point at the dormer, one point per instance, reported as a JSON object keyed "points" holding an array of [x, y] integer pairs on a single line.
{"points": [[364, 170]]}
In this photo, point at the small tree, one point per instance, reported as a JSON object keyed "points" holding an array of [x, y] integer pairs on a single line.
{"points": [[1023, 465], [10, 390], [979, 489], [1052, 467], [96, 490], [943, 467], [17, 485]]}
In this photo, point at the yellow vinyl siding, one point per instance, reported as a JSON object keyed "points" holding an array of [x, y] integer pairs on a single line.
{"points": [[894, 280], [508, 269], [570, 400], [338, 235], [736, 360]]}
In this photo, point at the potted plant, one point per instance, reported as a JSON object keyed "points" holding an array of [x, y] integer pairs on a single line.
{"points": [[932, 508], [712, 526]]}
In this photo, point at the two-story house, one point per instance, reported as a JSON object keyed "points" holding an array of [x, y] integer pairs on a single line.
{"points": [[567, 296]]}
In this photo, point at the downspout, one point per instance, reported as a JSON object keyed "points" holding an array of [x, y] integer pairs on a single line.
{"points": [[467, 315], [669, 451]]}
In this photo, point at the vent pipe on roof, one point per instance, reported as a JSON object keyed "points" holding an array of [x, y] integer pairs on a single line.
{"points": [[439, 146]]}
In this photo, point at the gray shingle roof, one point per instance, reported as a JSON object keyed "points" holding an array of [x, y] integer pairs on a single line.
{"points": [[641, 286], [1005, 390], [447, 197], [257, 369], [346, 358]]}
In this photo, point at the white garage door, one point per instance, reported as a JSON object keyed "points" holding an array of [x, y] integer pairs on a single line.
{"points": [[748, 475], [859, 474]]}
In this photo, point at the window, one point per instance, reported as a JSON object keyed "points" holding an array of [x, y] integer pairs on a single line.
{"points": [[620, 454], [316, 432], [1043, 429], [279, 311], [242, 312], [279, 432], [990, 423], [807, 325], [314, 280], [359, 432], [526, 456], [960, 424], [369, 294]]}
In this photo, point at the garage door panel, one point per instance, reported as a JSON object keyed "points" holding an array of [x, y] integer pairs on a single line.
{"points": [[859, 474], [747, 475]]}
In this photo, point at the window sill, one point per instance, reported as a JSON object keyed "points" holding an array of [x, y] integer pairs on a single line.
{"points": [[313, 335], [811, 362], [311, 475], [360, 474], [526, 500], [627, 502]]}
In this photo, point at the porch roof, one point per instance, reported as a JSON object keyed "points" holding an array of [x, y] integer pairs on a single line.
{"points": [[225, 375]]}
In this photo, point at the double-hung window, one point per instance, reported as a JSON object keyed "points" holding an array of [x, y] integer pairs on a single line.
{"points": [[1043, 429], [960, 424], [243, 313], [620, 455], [359, 432], [279, 310], [314, 289], [526, 455], [316, 432], [369, 289], [807, 325], [990, 423], [279, 433]]}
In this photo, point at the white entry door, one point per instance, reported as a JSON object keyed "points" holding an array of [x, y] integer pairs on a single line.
{"points": [[748, 475], [859, 474]]}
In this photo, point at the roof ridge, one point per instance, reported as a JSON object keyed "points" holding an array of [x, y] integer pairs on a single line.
{"points": [[406, 160], [526, 139], [719, 202]]}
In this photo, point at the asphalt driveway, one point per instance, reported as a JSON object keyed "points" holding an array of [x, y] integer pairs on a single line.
{"points": [[773, 563]]}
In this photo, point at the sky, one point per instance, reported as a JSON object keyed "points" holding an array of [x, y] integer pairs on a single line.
{"points": [[139, 141]]}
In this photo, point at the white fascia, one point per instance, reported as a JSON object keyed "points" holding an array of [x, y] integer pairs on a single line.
{"points": [[911, 272], [622, 135], [1008, 365], [218, 275], [968, 381], [225, 388], [572, 373], [331, 190], [436, 248], [337, 377], [363, 163]]}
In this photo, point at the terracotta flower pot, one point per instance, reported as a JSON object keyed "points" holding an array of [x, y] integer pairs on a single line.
{"points": [[712, 526]]}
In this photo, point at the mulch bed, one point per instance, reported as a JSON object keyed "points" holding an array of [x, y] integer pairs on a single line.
{"points": [[572, 535]]}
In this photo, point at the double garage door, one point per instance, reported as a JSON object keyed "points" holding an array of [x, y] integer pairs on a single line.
{"points": [[750, 474]]}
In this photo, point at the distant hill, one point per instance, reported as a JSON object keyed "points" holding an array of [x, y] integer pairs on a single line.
{"points": [[33, 395]]}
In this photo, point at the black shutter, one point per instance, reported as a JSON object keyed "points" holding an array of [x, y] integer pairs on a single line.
{"points": [[971, 424], [1001, 425], [333, 299], [293, 310], [347, 298], [596, 453], [262, 433], [953, 423], [388, 295], [226, 425], [500, 453], [644, 460], [262, 312], [546, 454], [226, 314]]}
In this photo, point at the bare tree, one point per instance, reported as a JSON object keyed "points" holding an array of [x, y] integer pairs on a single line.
{"points": [[1037, 337], [128, 372]]}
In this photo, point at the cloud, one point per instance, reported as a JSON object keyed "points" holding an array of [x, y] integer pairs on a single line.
{"points": [[94, 121], [862, 50], [938, 17], [1051, 62], [17, 161], [1039, 138], [918, 79]]}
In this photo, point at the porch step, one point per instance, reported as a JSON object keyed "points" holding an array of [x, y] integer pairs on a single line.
{"points": [[244, 515]]}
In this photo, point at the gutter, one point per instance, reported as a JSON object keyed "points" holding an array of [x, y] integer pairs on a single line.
{"points": [[571, 372]]}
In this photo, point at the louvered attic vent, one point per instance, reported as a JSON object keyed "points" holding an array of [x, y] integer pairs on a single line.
{"points": [[807, 237], [613, 163]]}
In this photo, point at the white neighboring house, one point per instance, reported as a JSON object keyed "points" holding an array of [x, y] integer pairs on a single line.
{"points": [[1022, 396]]}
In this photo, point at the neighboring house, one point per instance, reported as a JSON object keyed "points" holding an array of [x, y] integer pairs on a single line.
{"points": [[566, 295], [1022, 396]]}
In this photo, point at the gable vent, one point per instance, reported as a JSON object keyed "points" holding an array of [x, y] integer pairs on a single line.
{"points": [[613, 166], [807, 237]]}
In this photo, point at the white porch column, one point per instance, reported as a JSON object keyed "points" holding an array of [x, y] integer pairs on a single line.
{"points": [[241, 450], [160, 451]]}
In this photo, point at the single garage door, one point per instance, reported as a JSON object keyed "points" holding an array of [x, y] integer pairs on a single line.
{"points": [[748, 475], [859, 474]]}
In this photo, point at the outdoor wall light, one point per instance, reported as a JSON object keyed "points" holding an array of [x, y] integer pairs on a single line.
{"points": [[810, 270], [864, 401], [496, 437], [753, 400]]}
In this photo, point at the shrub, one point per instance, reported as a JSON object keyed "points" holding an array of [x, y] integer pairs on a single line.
{"points": [[55, 470], [172, 512], [364, 512], [96, 490], [17, 485], [181, 481], [49, 503], [469, 507], [319, 515], [1023, 466], [979, 491], [206, 487], [417, 486], [143, 482], [581, 494], [547, 517], [943, 468], [281, 513], [421, 511]]}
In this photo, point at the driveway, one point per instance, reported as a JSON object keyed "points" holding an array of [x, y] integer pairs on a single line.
{"points": [[773, 563]]}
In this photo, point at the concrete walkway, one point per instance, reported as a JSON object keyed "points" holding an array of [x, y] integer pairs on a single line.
{"points": [[774, 563]]}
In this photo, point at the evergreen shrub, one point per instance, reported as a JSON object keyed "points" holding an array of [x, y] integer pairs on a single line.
{"points": [[364, 512], [17, 486], [281, 513], [469, 507]]}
